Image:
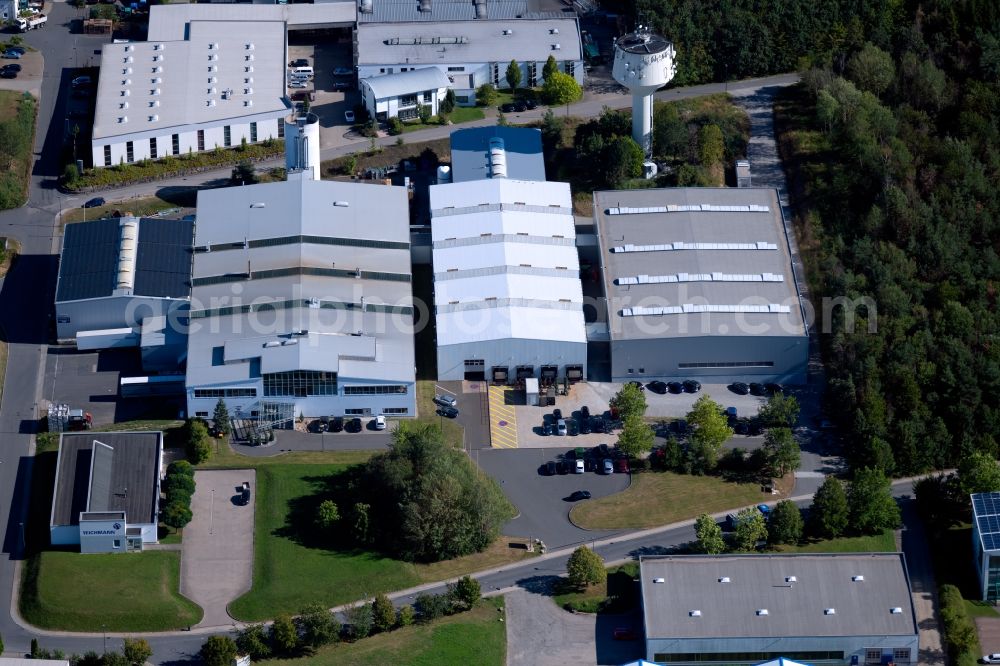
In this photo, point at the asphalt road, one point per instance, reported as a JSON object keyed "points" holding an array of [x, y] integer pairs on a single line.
{"points": [[25, 303]]}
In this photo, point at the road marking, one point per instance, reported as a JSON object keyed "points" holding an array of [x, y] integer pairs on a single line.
{"points": [[503, 420]]}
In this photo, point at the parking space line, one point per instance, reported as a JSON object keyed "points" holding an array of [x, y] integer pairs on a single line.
{"points": [[503, 420]]}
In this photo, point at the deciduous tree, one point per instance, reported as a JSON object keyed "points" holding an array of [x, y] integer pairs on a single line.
{"points": [[636, 437], [629, 401], [871, 69], [785, 524], [383, 613], [782, 451], [779, 411], [979, 473], [317, 626], [513, 75], [550, 68], [585, 567], [870, 502], [327, 514], [561, 89], [218, 651], [253, 640], [284, 635], [750, 529], [486, 95], [710, 539], [709, 430], [828, 514]]}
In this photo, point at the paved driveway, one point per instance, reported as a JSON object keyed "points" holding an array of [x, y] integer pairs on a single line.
{"points": [[542, 499], [541, 634], [217, 551]]}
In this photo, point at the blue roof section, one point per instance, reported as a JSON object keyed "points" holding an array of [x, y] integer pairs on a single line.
{"points": [[986, 512], [88, 265], [470, 153]]}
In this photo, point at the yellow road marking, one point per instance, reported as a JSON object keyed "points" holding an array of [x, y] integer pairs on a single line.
{"points": [[504, 437]]}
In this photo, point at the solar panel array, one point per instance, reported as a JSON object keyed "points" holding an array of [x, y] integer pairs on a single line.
{"points": [[88, 267], [163, 261], [986, 510]]}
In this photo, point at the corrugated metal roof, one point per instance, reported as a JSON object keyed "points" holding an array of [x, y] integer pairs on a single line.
{"points": [[394, 11], [406, 83], [469, 42], [522, 147], [496, 290]]}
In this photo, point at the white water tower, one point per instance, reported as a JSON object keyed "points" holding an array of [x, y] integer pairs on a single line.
{"points": [[644, 63], [302, 144]]}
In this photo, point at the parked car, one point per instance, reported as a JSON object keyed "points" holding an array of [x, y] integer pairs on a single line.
{"points": [[354, 425], [245, 493], [530, 104], [691, 386], [675, 387], [81, 81], [445, 400], [318, 426], [773, 388], [95, 202], [578, 495], [547, 429], [739, 388], [341, 85], [585, 412], [561, 467], [8, 74], [303, 95], [561, 427], [757, 389], [607, 467], [625, 634], [573, 427], [13, 55], [557, 413], [550, 468], [12, 66], [657, 386], [507, 108], [450, 412], [299, 62], [379, 422], [342, 71], [336, 424], [599, 425], [579, 466], [349, 117], [638, 384], [621, 466], [993, 658], [17, 49]]}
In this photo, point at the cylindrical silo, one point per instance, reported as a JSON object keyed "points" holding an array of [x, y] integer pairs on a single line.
{"points": [[302, 144]]}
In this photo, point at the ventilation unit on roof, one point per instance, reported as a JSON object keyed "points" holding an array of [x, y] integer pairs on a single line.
{"points": [[658, 580], [791, 579], [127, 59], [123, 119], [249, 58], [556, 47], [248, 102], [896, 610], [342, 204], [425, 6], [211, 102], [213, 79], [158, 47], [762, 611], [694, 613], [154, 91], [128, 47], [273, 343], [858, 579], [123, 105], [248, 91], [366, 7], [250, 46], [258, 205], [126, 82], [125, 93], [508, 31], [248, 69], [153, 118], [155, 70], [158, 58], [481, 9], [724, 579], [829, 611], [554, 31]]}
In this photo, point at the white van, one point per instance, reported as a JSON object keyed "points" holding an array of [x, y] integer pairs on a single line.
{"points": [[302, 72]]}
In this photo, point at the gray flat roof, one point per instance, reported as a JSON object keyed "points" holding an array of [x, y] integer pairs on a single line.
{"points": [[470, 153], [659, 253], [423, 43], [219, 70], [88, 264], [862, 607], [330, 258], [127, 480]]}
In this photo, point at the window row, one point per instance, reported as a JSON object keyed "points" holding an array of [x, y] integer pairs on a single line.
{"points": [[175, 143], [226, 393], [379, 389], [300, 383], [729, 364]]}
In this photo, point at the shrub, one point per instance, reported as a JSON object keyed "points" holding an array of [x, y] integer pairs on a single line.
{"points": [[176, 515], [432, 606], [486, 95], [467, 591], [383, 613], [359, 621], [71, 174], [182, 467], [317, 626], [959, 631], [406, 615], [197, 445], [253, 640], [179, 482], [585, 567], [395, 126], [218, 651], [178, 494]]}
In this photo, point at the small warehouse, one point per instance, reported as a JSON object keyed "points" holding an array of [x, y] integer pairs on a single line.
{"points": [[116, 273], [401, 95], [107, 491], [699, 283], [745, 609]]}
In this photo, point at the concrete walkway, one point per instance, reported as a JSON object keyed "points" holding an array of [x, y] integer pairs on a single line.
{"points": [[217, 552], [918, 564]]}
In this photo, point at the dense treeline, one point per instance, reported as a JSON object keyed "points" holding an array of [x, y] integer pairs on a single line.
{"points": [[17, 129], [894, 154]]}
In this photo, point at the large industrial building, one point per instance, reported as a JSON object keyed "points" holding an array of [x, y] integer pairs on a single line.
{"points": [[107, 491], [216, 86], [744, 609], [302, 301], [507, 294], [119, 275], [699, 283], [472, 52], [986, 543]]}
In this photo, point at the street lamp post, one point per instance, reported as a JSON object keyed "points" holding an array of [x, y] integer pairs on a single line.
{"points": [[104, 629]]}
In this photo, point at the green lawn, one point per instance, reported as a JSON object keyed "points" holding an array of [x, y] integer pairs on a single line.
{"points": [[461, 114], [660, 498], [879, 543], [293, 568], [617, 595], [119, 592], [476, 637]]}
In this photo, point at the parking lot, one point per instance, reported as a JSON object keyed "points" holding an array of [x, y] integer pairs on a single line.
{"points": [[543, 501], [333, 93]]}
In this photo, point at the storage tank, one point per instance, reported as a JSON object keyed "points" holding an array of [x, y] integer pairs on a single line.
{"points": [[443, 174], [302, 144]]}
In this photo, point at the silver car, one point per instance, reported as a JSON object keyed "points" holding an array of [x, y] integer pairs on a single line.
{"points": [[607, 466]]}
